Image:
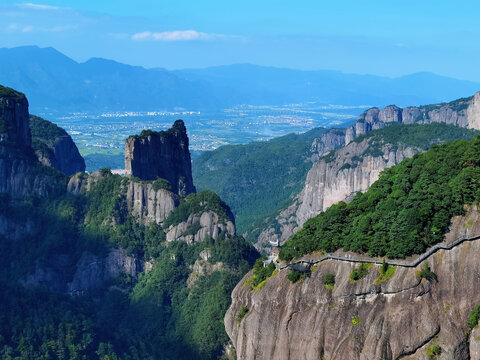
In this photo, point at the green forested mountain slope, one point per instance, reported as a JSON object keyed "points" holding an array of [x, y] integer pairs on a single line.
{"points": [[257, 178], [156, 317], [408, 209]]}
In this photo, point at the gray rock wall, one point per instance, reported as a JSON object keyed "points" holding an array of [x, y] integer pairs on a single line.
{"points": [[163, 154]]}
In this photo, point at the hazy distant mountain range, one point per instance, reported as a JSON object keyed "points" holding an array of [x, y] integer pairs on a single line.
{"points": [[54, 81]]}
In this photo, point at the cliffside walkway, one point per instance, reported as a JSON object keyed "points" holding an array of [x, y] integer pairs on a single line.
{"points": [[308, 263]]}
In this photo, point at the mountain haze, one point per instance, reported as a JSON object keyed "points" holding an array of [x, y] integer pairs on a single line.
{"points": [[57, 82]]}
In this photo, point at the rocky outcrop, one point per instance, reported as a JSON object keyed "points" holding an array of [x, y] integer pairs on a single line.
{"points": [[54, 147], [148, 204], [143, 199], [397, 319], [351, 169], [91, 271], [21, 175], [463, 112], [198, 226], [331, 140], [203, 267], [162, 154], [337, 179], [14, 124]]}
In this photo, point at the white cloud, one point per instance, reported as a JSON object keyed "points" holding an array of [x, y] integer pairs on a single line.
{"points": [[142, 36], [36, 29], [177, 35], [38, 6]]}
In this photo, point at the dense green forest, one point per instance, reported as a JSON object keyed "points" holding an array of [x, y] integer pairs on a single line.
{"points": [[416, 136], [156, 316], [258, 178], [407, 210]]}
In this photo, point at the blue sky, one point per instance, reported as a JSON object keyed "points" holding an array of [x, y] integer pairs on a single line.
{"points": [[388, 37]]}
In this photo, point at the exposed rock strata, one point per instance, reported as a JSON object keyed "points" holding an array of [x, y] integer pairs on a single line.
{"points": [[329, 182], [14, 121], [21, 175], [398, 319], [199, 226], [149, 205], [163, 154], [91, 271]]}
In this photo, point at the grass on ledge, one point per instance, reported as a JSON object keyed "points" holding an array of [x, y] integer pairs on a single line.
{"points": [[387, 275]]}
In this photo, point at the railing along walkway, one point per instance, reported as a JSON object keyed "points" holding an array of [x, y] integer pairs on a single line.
{"points": [[296, 265]]}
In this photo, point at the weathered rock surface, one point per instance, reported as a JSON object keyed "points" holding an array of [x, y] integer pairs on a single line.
{"points": [[146, 203], [14, 122], [91, 271], [463, 112], [54, 147], [21, 174], [200, 225], [203, 267], [331, 140], [398, 319], [149, 205], [328, 182], [163, 154]]}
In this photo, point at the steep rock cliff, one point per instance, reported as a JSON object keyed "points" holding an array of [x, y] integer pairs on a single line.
{"points": [[353, 168], [54, 147], [145, 200], [91, 271], [21, 174], [463, 112], [162, 154], [14, 124], [396, 319], [199, 216], [200, 225]]}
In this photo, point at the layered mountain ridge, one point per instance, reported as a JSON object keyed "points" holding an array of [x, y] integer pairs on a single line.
{"points": [[338, 176], [343, 299], [55, 82], [89, 255]]}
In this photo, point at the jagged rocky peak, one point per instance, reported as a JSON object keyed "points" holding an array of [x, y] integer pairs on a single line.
{"points": [[161, 154], [14, 121], [464, 112], [54, 147]]}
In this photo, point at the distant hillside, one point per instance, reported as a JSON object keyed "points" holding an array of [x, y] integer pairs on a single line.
{"points": [[54, 81], [257, 178], [270, 85]]}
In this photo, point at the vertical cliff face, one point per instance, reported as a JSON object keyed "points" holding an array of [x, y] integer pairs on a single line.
{"points": [[14, 124], [463, 112], [335, 179], [331, 140], [149, 204], [339, 175], [332, 179], [400, 318], [54, 147], [21, 174], [163, 154]]}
